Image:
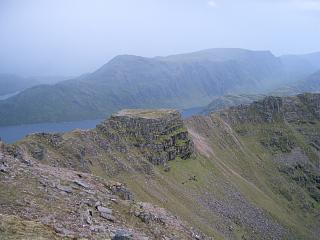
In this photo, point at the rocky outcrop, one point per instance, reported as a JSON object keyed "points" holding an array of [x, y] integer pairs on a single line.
{"points": [[154, 216], [159, 134], [300, 108], [129, 141]]}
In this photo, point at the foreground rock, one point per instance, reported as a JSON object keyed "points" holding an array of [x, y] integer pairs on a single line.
{"points": [[41, 201]]}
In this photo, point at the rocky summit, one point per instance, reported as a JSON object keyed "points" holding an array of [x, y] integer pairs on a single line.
{"points": [[246, 172], [159, 134]]}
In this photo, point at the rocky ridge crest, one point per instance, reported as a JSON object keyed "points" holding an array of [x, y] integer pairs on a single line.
{"points": [[303, 107], [160, 135]]}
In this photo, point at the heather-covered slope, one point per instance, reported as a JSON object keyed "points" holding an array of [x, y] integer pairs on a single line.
{"points": [[180, 81], [254, 171]]}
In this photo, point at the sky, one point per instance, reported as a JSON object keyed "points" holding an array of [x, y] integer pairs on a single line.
{"points": [[72, 37]]}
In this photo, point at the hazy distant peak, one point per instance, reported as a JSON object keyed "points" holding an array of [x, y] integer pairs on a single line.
{"points": [[314, 77], [311, 58], [217, 54], [304, 55], [121, 61], [126, 58]]}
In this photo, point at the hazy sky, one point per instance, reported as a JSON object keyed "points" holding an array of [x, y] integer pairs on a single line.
{"points": [[70, 37]]}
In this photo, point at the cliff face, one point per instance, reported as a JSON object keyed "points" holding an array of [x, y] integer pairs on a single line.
{"points": [[160, 135]]}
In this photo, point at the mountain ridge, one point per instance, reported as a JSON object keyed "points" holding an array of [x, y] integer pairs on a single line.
{"points": [[253, 173], [136, 82]]}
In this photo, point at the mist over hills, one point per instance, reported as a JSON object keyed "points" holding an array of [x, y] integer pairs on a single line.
{"points": [[311, 59], [309, 84], [177, 81], [10, 83]]}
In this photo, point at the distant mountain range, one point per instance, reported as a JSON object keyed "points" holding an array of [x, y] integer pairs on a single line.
{"points": [[11, 84], [178, 81], [310, 84]]}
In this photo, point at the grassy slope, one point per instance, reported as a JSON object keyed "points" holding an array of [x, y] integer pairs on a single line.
{"points": [[14, 228], [223, 161], [241, 162]]}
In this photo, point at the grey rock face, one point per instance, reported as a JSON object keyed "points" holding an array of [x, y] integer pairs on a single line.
{"points": [[104, 210], [297, 166], [66, 189], [300, 108], [81, 184], [121, 191], [159, 134], [107, 216], [122, 234], [3, 168]]}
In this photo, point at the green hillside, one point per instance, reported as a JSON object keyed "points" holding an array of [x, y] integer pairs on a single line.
{"points": [[179, 81]]}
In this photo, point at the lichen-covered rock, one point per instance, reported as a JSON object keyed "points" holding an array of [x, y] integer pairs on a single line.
{"points": [[159, 134]]}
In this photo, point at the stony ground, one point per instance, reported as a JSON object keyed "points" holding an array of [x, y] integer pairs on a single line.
{"points": [[41, 201]]}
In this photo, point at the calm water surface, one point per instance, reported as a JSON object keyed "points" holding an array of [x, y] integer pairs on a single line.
{"points": [[12, 134]]}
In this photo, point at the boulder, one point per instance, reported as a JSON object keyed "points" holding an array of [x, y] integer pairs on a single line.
{"points": [[104, 210], [122, 234]]}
